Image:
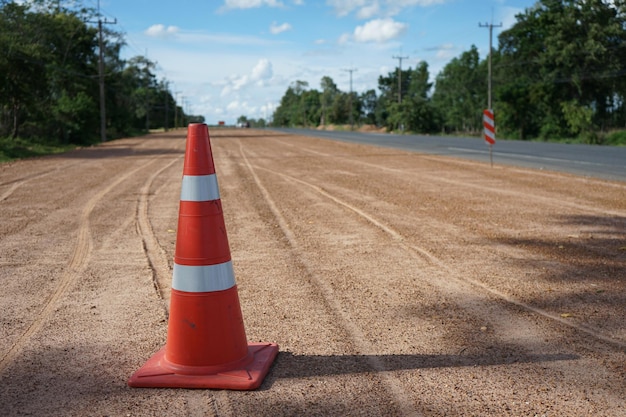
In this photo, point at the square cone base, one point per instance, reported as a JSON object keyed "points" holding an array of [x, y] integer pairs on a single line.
{"points": [[155, 375]]}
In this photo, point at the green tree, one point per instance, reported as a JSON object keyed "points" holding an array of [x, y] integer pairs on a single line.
{"points": [[49, 85], [390, 91], [49, 53], [71, 91], [340, 109], [369, 102], [284, 113], [559, 53], [329, 92], [415, 112], [143, 92], [461, 92], [310, 107], [420, 114], [292, 110], [306, 106]]}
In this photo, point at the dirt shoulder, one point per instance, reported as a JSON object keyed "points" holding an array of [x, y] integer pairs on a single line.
{"points": [[395, 283]]}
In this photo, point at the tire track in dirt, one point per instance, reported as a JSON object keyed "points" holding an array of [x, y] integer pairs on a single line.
{"points": [[544, 200], [495, 190], [18, 182], [394, 387], [156, 256], [10, 191], [77, 263], [525, 171], [451, 273]]}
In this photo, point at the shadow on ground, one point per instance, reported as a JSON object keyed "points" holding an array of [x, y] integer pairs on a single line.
{"points": [[289, 365]]}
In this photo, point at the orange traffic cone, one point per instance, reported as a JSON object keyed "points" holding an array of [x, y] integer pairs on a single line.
{"points": [[206, 341]]}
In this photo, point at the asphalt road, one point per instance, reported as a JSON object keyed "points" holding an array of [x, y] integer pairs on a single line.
{"points": [[606, 162]]}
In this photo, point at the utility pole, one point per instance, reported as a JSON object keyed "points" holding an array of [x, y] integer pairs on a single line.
{"points": [[489, 103], [490, 26], [147, 103], [351, 70], [176, 93], [167, 103], [400, 58], [183, 117], [103, 133]]}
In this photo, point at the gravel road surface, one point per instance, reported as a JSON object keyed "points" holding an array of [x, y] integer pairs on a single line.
{"points": [[395, 283]]}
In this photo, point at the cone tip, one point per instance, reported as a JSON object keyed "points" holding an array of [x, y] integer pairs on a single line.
{"points": [[198, 129], [198, 156]]}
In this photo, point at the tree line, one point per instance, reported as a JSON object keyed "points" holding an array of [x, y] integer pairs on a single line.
{"points": [[50, 85], [558, 72]]}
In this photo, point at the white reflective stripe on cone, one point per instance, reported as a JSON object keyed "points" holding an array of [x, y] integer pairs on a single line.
{"points": [[199, 188], [204, 278]]}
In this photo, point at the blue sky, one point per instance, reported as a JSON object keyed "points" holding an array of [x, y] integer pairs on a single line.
{"points": [[227, 58]]}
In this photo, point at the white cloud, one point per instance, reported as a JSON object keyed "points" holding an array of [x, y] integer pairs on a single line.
{"points": [[344, 39], [262, 71], [160, 31], [276, 29], [249, 4], [507, 16], [216, 39], [345, 7], [260, 75], [268, 109], [445, 51], [395, 7], [235, 106], [386, 69], [379, 30], [368, 11], [410, 3]]}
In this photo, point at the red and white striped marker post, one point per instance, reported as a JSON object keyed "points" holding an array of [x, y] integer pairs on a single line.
{"points": [[489, 125], [206, 341]]}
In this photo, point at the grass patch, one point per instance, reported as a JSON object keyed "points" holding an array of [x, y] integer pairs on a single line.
{"points": [[614, 138], [617, 138], [12, 149]]}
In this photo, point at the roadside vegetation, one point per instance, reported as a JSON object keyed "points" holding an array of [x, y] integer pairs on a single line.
{"points": [[50, 84], [559, 74], [18, 148]]}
